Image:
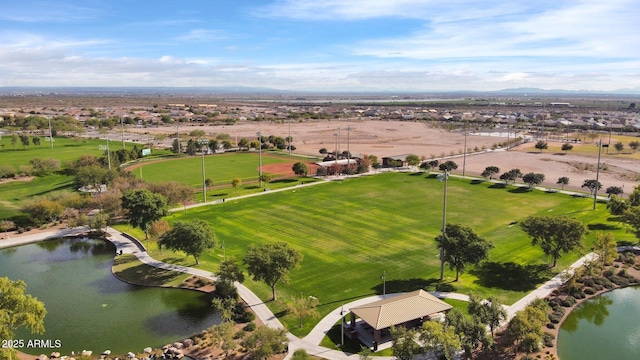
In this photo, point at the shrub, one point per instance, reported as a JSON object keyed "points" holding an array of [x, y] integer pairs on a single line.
{"points": [[568, 302], [548, 338], [226, 289], [598, 287], [579, 294], [622, 272], [589, 291], [608, 273], [555, 317], [589, 282], [239, 335], [551, 325], [245, 317], [250, 326], [620, 281], [301, 354]]}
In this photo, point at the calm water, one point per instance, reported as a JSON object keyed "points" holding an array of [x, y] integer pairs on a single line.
{"points": [[606, 327], [88, 308]]}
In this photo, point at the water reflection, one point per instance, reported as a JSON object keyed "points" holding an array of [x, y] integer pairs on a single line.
{"points": [[594, 311]]}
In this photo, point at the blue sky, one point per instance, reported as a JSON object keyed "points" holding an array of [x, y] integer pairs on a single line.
{"points": [[322, 45]]}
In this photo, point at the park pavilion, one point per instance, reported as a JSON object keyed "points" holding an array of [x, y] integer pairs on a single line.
{"points": [[409, 310]]}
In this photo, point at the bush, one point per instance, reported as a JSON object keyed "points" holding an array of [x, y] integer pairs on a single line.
{"points": [[239, 335], [589, 282], [620, 281], [301, 354], [622, 272], [226, 289], [589, 291], [551, 325], [547, 339], [555, 317], [568, 302], [249, 327], [608, 273], [579, 294], [245, 316]]}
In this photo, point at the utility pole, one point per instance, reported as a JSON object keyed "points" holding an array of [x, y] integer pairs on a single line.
{"points": [[108, 153], [595, 189], [289, 138], [349, 128], [260, 157], [50, 134], [443, 177], [122, 128], [464, 153], [204, 185]]}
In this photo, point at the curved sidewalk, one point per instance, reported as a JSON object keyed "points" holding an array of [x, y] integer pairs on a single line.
{"points": [[311, 342]]}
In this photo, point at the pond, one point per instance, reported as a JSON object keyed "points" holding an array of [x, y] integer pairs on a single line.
{"points": [[605, 327], [89, 308]]}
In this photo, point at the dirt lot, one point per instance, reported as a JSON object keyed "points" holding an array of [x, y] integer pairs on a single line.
{"points": [[388, 138]]}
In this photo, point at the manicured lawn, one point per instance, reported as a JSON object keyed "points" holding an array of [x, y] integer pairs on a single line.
{"points": [[221, 168], [64, 149], [13, 194], [350, 231]]}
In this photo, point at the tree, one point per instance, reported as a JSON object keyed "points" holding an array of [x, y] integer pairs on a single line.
{"points": [[554, 234], [566, 147], [302, 307], [490, 171], [224, 307], [14, 141], [448, 165], [208, 182], [300, 169], [511, 176], [158, 228], [438, 338], [489, 313], [593, 185], [533, 179], [563, 181], [94, 177], [632, 218], [175, 146], [236, 183], [35, 140], [243, 144], [617, 205], [18, 309], [428, 165], [213, 145], [230, 271], [323, 151], [634, 145], [462, 247], [272, 263], [403, 345], [265, 178], [412, 160], [192, 147], [265, 342], [194, 238], [222, 336], [24, 139], [143, 208], [525, 328], [173, 191], [618, 146], [43, 211], [614, 190], [606, 247], [541, 145], [6, 225]]}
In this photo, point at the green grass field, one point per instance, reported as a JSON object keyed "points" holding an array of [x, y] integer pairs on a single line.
{"points": [[350, 231], [221, 168]]}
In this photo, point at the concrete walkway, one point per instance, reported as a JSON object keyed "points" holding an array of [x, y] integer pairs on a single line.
{"points": [[310, 343]]}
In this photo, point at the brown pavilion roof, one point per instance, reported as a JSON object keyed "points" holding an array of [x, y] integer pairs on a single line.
{"points": [[400, 309]]}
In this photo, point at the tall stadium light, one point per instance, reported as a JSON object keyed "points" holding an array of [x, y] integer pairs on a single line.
{"points": [[259, 157], [178, 136], [342, 326], [384, 283], [595, 190], [108, 153], [443, 177], [349, 128], [204, 182], [289, 138], [50, 134], [122, 128], [336, 151], [464, 153]]}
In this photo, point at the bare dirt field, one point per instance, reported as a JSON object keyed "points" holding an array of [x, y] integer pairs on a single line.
{"points": [[389, 138]]}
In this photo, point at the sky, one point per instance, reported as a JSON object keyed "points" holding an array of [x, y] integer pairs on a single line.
{"points": [[322, 45]]}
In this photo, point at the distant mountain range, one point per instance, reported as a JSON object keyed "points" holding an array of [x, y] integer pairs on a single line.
{"points": [[248, 91]]}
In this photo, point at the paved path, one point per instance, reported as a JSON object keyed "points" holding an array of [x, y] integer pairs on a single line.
{"points": [[310, 343]]}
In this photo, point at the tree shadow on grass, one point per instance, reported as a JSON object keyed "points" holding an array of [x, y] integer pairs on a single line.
{"points": [[520, 190], [602, 227], [219, 195], [252, 187], [405, 285], [476, 181], [284, 181], [511, 276], [498, 186]]}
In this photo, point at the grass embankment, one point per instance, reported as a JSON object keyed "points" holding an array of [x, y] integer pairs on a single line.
{"points": [[351, 231]]}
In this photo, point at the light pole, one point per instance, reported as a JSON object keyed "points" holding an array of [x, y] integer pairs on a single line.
{"points": [[349, 128], [50, 134], [464, 153], [443, 177], [259, 157], [178, 136], [595, 189], [384, 283], [342, 326], [108, 153], [289, 138], [122, 128], [336, 151], [204, 182]]}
